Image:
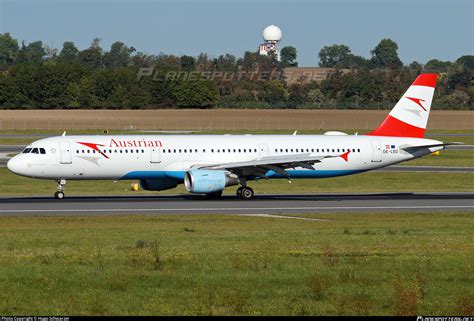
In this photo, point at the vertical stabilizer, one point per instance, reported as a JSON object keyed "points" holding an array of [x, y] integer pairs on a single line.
{"points": [[410, 115]]}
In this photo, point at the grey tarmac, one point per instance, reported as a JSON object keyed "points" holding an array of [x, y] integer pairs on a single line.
{"points": [[229, 204]]}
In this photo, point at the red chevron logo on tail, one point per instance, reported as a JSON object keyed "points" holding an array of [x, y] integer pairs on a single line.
{"points": [[417, 101]]}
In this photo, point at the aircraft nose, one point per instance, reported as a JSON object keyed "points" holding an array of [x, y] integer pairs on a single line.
{"points": [[14, 165]]}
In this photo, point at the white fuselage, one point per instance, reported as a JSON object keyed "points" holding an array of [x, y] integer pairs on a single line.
{"points": [[170, 156]]}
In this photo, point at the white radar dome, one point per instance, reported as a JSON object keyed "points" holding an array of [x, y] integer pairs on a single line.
{"points": [[272, 33]]}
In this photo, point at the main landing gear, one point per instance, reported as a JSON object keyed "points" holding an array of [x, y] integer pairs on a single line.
{"points": [[245, 193], [60, 192]]}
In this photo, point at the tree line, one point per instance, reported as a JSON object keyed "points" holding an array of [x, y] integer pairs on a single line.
{"points": [[35, 75]]}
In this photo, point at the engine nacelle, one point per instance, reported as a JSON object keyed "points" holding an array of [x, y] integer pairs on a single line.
{"points": [[208, 181], [158, 184]]}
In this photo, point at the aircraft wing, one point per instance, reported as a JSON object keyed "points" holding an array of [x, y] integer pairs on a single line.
{"points": [[278, 164]]}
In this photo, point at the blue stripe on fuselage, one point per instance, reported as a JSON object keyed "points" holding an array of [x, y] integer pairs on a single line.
{"points": [[179, 175]]}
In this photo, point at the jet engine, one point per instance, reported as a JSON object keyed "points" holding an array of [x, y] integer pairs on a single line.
{"points": [[158, 184], [208, 181]]}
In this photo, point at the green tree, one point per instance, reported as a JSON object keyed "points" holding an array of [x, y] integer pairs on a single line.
{"points": [[69, 53], [437, 66], [274, 92], [118, 56], [201, 94], [8, 50], [249, 61], [187, 63], [34, 52], [288, 56], [385, 55], [333, 56], [91, 57], [466, 61], [225, 63], [415, 66]]}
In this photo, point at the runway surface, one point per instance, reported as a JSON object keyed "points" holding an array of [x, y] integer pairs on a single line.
{"points": [[262, 204]]}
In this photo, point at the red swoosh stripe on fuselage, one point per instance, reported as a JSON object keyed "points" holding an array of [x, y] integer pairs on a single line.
{"points": [[94, 147]]}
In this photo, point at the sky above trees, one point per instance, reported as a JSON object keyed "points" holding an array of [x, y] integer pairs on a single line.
{"points": [[422, 29]]}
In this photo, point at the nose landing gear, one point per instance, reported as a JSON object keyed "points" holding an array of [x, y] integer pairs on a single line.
{"points": [[60, 192]]}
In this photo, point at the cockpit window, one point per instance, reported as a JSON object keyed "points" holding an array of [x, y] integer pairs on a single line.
{"points": [[35, 151], [42, 151], [27, 150]]}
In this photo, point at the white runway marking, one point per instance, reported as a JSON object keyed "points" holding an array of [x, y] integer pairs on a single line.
{"points": [[104, 210], [288, 217]]}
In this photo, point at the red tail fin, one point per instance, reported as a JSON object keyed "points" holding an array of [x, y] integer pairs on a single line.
{"points": [[409, 117]]}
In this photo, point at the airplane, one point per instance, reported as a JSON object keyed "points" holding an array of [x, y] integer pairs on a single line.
{"points": [[207, 164]]}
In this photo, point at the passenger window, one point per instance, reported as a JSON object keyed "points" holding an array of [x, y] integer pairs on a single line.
{"points": [[358, 150]]}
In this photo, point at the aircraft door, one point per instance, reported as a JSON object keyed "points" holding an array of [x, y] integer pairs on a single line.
{"points": [[376, 151], [263, 150], [155, 155], [65, 152]]}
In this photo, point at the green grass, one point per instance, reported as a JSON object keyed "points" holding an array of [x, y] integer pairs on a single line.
{"points": [[365, 182], [354, 264]]}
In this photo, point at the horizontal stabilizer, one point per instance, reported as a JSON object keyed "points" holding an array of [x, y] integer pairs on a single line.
{"points": [[415, 148]]}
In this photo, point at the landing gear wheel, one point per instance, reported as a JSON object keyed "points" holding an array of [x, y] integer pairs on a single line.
{"points": [[239, 192], [59, 195], [247, 193]]}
